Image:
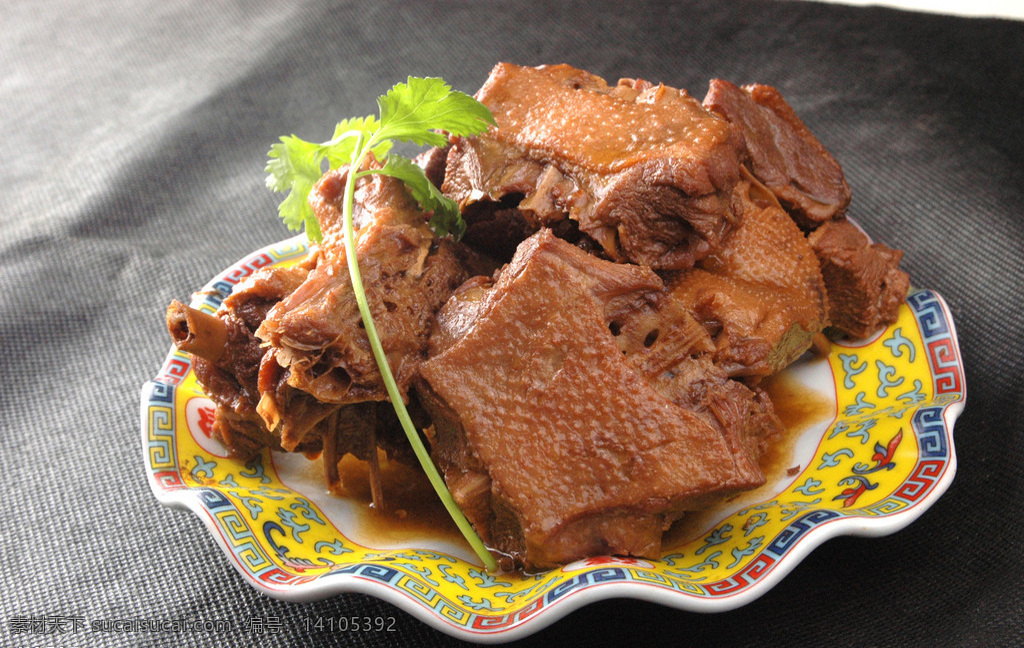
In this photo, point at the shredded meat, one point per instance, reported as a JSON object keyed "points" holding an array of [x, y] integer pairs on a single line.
{"points": [[320, 353], [226, 355], [288, 363]]}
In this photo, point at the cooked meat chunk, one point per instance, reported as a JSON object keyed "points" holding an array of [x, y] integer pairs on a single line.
{"points": [[745, 415], [227, 358], [782, 152], [643, 169], [758, 330], [760, 299], [551, 441], [667, 345], [865, 284], [318, 346], [288, 362]]}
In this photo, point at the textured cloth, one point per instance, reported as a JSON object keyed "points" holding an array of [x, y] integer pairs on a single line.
{"points": [[134, 136]]}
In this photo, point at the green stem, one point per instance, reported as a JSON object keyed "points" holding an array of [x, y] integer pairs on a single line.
{"points": [[385, 369], [342, 137]]}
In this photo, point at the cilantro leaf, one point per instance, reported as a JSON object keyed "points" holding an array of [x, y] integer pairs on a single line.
{"points": [[424, 111], [415, 110], [294, 166], [296, 212], [446, 218]]}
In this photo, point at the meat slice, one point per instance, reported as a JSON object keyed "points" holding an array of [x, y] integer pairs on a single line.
{"points": [[865, 284], [643, 169], [782, 152], [551, 441], [320, 356]]}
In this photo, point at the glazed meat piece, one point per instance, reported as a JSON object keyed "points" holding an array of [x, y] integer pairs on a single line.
{"points": [[865, 284], [782, 152], [551, 441], [319, 352], [643, 169], [758, 330]]}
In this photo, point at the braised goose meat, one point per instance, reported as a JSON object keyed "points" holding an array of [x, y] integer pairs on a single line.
{"points": [[643, 169], [863, 280], [552, 443], [865, 284], [762, 297], [663, 257], [226, 355], [286, 360], [782, 152]]}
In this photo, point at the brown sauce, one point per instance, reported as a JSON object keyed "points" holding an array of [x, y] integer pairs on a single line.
{"points": [[413, 511], [798, 408]]}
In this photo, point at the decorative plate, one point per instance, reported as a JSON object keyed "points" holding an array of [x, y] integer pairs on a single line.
{"points": [[871, 448]]}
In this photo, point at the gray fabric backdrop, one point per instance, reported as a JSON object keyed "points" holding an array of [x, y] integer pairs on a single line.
{"points": [[134, 136]]}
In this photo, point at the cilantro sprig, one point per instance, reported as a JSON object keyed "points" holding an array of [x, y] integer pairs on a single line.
{"points": [[422, 111], [425, 112]]}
